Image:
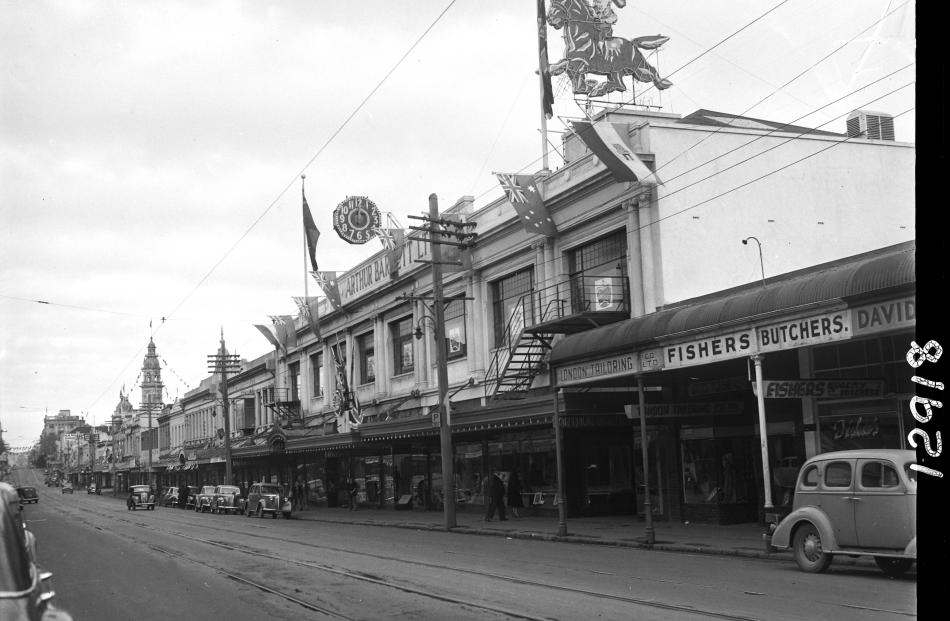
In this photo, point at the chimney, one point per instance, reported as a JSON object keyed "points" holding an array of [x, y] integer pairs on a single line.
{"points": [[871, 125]]}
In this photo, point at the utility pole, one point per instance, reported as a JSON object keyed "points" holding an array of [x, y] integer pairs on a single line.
{"points": [[222, 363], [437, 230]]}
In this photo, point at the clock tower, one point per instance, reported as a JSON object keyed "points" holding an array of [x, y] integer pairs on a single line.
{"points": [[151, 380]]}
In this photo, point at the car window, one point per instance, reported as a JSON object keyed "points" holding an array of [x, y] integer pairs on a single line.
{"points": [[810, 477], [270, 490], [878, 474], [838, 474]]}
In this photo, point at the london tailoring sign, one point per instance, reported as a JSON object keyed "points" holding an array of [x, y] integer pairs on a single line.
{"points": [[607, 368]]}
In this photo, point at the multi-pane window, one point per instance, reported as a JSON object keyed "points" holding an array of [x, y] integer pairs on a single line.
{"points": [[367, 357], [316, 374], [598, 271], [878, 358], [401, 331], [294, 381], [455, 329], [511, 306]]}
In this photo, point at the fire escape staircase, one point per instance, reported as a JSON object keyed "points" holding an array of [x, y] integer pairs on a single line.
{"points": [[285, 409], [521, 358]]}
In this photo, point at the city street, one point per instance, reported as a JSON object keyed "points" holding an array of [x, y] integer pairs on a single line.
{"points": [[110, 563]]}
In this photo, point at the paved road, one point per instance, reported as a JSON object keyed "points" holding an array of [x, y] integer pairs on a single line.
{"points": [[110, 563]]}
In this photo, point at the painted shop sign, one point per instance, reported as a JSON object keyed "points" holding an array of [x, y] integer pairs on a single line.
{"points": [[801, 332], [884, 316], [825, 389], [680, 410], [708, 350], [615, 366]]}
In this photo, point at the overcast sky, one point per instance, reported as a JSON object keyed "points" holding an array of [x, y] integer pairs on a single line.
{"points": [[150, 151]]}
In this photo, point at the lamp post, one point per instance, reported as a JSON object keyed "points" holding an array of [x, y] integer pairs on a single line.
{"points": [[745, 242]]}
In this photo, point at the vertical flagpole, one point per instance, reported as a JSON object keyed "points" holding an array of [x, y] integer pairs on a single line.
{"points": [[542, 73], [306, 295]]}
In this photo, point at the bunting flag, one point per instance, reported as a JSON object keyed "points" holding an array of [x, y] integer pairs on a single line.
{"points": [[525, 197], [269, 333], [345, 399], [386, 237], [311, 230], [604, 141], [547, 95], [310, 310], [395, 254], [327, 282], [286, 331]]}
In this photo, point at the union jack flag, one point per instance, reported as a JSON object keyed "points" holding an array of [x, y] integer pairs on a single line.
{"points": [[509, 183], [525, 197]]}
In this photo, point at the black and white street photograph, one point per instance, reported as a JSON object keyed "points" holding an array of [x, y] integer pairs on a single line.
{"points": [[444, 310]]}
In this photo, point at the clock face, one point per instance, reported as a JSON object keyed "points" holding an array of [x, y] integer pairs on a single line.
{"points": [[356, 219]]}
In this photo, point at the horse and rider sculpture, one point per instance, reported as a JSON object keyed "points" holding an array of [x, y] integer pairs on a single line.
{"points": [[590, 47]]}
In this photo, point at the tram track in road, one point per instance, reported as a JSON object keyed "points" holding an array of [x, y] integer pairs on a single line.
{"points": [[681, 609]]}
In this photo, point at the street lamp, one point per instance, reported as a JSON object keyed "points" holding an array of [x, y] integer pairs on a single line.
{"points": [[745, 242]]}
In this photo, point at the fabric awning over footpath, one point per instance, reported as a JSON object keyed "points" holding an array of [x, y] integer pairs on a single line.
{"points": [[849, 280]]}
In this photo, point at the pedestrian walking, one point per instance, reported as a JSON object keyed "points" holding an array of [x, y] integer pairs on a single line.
{"points": [[496, 493], [298, 494], [353, 489], [306, 494], [182, 496], [515, 500]]}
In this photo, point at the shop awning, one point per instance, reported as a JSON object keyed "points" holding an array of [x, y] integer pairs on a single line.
{"points": [[845, 280]]}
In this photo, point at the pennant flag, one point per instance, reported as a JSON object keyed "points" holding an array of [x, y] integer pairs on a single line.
{"points": [[608, 145], [311, 230], [269, 333], [286, 331], [525, 197], [310, 310], [327, 282], [386, 237], [547, 95], [395, 254]]}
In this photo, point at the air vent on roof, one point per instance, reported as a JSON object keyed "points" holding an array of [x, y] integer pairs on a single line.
{"points": [[870, 125]]}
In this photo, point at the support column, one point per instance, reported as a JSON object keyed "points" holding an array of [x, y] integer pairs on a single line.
{"points": [[647, 253], [634, 259], [559, 454], [763, 432]]}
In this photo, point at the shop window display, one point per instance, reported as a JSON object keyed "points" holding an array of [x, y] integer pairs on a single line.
{"points": [[717, 470]]}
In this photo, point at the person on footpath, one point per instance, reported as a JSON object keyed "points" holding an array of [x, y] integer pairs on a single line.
{"points": [[352, 489], [496, 498], [515, 500]]}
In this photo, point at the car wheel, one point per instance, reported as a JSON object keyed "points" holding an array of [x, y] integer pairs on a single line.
{"points": [[806, 547], [893, 567]]}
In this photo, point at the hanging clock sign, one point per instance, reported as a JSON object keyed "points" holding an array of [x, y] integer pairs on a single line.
{"points": [[356, 219]]}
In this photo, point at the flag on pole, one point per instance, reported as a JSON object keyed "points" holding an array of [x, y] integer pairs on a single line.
{"points": [[269, 333], [395, 254], [604, 141], [547, 98], [309, 309], [310, 229], [524, 195], [327, 282]]}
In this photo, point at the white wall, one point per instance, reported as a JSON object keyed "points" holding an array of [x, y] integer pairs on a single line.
{"points": [[862, 191]]}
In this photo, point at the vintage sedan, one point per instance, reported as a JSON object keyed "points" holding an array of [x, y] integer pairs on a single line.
{"points": [[264, 499], [67, 488], [860, 502], [204, 499], [92, 488], [25, 590], [170, 497], [140, 497], [28, 494], [192, 497], [226, 499]]}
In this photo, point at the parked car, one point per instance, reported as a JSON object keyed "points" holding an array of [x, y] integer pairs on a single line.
{"points": [[204, 499], [67, 488], [92, 488], [28, 494], [170, 497], [192, 497], [266, 498], [25, 589], [140, 497], [226, 499], [860, 502]]}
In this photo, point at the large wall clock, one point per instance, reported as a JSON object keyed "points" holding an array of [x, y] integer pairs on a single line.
{"points": [[356, 219]]}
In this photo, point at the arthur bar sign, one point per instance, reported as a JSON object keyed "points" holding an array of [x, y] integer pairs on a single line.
{"points": [[825, 389]]}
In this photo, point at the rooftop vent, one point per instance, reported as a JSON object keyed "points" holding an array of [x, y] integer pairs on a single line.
{"points": [[870, 125]]}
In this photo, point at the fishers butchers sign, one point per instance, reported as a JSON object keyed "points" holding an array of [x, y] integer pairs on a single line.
{"points": [[825, 389]]}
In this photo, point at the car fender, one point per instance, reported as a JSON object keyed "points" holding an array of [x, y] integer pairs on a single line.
{"points": [[911, 549], [782, 537]]}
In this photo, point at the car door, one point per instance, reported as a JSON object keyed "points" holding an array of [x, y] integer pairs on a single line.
{"points": [[881, 513], [837, 501]]}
